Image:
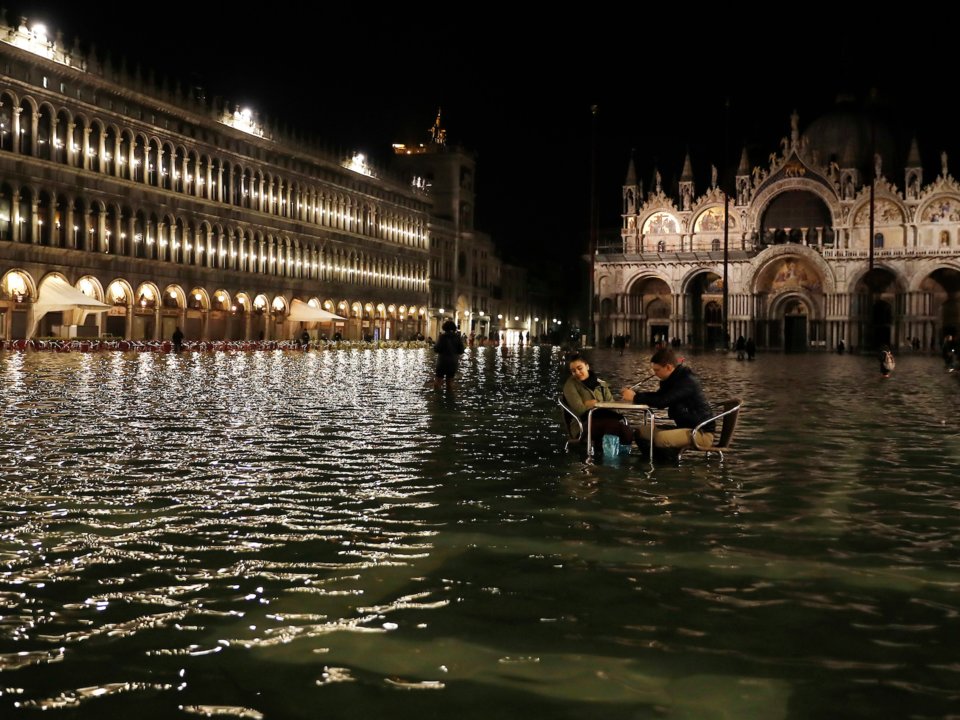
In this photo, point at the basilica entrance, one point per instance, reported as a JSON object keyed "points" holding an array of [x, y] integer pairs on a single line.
{"points": [[704, 297], [795, 327], [876, 296], [658, 334], [794, 334]]}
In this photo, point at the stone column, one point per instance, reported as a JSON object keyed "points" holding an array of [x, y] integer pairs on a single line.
{"points": [[128, 322], [85, 149], [131, 159], [34, 131], [115, 154], [15, 131]]}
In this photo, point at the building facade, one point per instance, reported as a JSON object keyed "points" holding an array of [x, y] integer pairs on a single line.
{"points": [[179, 213], [469, 283], [822, 246]]}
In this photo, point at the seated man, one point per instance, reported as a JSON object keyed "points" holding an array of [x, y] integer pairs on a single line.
{"points": [[681, 394]]}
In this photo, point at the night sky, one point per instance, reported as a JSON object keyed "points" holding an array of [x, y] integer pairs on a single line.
{"points": [[519, 92]]}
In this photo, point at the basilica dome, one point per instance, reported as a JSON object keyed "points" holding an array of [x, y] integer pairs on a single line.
{"points": [[849, 134]]}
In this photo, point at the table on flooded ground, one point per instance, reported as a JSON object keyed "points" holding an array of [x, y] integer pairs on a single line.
{"points": [[622, 407]]}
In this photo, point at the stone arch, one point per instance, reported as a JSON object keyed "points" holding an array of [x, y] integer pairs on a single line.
{"points": [[220, 299], [762, 200], [28, 110], [710, 220], [794, 216], [792, 316], [889, 221], [174, 297], [940, 287], [752, 280], [198, 299], [90, 286], [260, 303], [940, 207], [877, 306], [18, 284], [119, 292], [8, 101], [242, 303], [46, 136], [148, 295], [660, 222], [700, 287]]}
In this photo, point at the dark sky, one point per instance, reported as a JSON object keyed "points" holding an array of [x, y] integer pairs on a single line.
{"points": [[519, 92]]}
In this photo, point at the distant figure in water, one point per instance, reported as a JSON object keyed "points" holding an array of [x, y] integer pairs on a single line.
{"points": [[841, 346], [751, 349], [741, 347], [887, 361], [449, 348]]}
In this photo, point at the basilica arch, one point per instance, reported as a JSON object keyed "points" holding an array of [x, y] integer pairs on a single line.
{"points": [[877, 306], [942, 286], [701, 296], [796, 211], [790, 307], [648, 311]]}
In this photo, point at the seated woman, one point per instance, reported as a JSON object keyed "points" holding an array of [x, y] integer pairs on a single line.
{"points": [[582, 391], [681, 394]]}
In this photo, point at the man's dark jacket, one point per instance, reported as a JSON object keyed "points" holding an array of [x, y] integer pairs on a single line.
{"points": [[683, 397]]}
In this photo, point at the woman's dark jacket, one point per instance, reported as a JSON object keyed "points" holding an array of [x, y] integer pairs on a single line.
{"points": [[683, 397], [448, 347]]}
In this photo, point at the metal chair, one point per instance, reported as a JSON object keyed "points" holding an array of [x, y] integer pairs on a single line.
{"points": [[726, 418], [570, 423]]}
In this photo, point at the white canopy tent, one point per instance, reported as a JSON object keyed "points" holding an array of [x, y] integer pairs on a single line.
{"points": [[302, 312], [57, 295]]}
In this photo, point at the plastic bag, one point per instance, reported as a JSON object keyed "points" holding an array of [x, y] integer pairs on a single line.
{"points": [[611, 446]]}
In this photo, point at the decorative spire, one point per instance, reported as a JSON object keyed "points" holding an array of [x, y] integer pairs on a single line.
{"points": [[686, 184], [631, 172], [744, 168], [438, 135], [687, 174], [631, 193], [913, 172], [913, 157]]}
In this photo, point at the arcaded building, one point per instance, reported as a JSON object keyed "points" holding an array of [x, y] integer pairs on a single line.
{"points": [[168, 211], [800, 270]]}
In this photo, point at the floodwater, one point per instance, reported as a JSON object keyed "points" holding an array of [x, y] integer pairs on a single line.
{"points": [[303, 535]]}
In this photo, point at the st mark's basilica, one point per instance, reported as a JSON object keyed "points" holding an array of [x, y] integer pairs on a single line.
{"points": [[800, 270]]}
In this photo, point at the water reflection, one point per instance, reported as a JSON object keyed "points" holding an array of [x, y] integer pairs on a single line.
{"points": [[254, 534]]}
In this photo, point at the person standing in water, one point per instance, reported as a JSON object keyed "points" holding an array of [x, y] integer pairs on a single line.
{"points": [[449, 348], [887, 361]]}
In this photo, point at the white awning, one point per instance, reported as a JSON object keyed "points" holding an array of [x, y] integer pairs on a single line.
{"points": [[55, 294], [302, 312]]}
